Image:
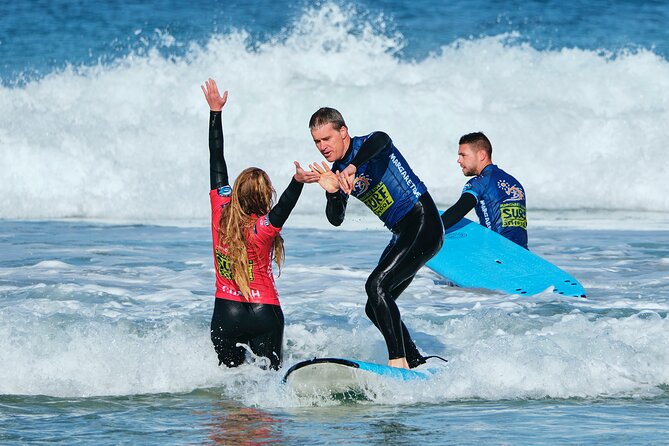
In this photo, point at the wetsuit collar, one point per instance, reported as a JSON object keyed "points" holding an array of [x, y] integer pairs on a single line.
{"points": [[345, 159], [488, 167]]}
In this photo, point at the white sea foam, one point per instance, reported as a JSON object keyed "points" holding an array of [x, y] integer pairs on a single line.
{"points": [[82, 339], [128, 141], [580, 129]]}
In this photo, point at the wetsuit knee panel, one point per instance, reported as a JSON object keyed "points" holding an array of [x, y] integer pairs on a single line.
{"points": [[374, 288]]}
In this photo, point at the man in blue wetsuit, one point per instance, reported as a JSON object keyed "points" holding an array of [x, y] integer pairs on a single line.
{"points": [[498, 197], [372, 169]]}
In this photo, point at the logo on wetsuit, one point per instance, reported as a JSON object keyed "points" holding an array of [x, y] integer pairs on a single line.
{"points": [[513, 215], [224, 191], [515, 193], [361, 184], [224, 266], [378, 199]]}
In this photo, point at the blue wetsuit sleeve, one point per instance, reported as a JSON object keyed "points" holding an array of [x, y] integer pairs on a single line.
{"points": [[371, 147], [456, 212], [281, 211], [335, 210], [218, 170]]}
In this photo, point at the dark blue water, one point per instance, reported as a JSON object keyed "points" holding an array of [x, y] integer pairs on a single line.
{"points": [[39, 36]]}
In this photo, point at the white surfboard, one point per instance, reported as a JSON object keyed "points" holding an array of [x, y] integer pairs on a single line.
{"points": [[330, 376]]}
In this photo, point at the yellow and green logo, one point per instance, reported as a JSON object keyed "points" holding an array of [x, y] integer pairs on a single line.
{"points": [[378, 199], [224, 266], [513, 215]]}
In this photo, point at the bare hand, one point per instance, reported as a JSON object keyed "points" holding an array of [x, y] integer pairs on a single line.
{"points": [[327, 178], [346, 178], [305, 176], [213, 97]]}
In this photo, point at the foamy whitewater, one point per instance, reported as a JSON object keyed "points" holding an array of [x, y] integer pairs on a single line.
{"points": [[581, 129], [106, 272], [125, 311], [113, 319]]}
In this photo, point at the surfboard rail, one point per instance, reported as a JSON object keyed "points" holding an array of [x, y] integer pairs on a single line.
{"points": [[340, 375], [308, 362]]}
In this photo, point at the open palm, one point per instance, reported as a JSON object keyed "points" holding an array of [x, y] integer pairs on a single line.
{"points": [[213, 97], [328, 179]]}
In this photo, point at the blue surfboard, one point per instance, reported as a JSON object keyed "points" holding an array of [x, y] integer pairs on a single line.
{"points": [[473, 256], [328, 376]]}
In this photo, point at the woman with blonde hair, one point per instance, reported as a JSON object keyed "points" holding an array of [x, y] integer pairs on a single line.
{"points": [[245, 235]]}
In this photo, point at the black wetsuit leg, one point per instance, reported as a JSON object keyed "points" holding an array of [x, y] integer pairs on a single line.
{"points": [[260, 326], [268, 343], [414, 358], [416, 239]]}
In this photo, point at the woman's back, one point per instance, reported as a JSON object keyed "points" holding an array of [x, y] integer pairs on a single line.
{"points": [[259, 247]]}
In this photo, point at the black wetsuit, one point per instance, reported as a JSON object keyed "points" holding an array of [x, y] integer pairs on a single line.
{"points": [[417, 232], [260, 326]]}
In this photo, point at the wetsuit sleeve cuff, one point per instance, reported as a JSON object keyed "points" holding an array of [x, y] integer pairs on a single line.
{"points": [[335, 209]]}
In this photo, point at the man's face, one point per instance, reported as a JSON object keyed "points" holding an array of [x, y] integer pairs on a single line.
{"points": [[330, 142], [468, 159]]}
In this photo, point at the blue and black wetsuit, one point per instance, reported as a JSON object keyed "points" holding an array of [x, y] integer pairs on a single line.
{"points": [[499, 200], [387, 185]]}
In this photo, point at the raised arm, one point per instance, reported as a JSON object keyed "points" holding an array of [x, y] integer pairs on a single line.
{"points": [[218, 170], [281, 211]]}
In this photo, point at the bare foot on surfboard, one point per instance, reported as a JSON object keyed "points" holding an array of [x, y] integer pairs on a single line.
{"points": [[400, 363]]}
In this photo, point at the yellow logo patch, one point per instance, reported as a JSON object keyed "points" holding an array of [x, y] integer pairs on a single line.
{"points": [[513, 215], [224, 266], [378, 199]]}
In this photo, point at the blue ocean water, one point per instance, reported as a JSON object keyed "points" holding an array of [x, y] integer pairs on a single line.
{"points": [[38, 36], [104, 335], [106, 274]]}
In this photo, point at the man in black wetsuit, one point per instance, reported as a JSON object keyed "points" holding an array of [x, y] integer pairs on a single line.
{"points": [[372, 169]]}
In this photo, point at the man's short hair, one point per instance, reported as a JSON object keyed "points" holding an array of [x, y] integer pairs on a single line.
{"points": [[478, 140], [327, 115]]}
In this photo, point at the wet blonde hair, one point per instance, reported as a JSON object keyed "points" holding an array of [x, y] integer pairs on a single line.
{"points": [[252, 194]]}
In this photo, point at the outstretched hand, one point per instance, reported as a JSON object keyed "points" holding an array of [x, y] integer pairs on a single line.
{"points": [[304, 176], [327, 179], [213, 97]]}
